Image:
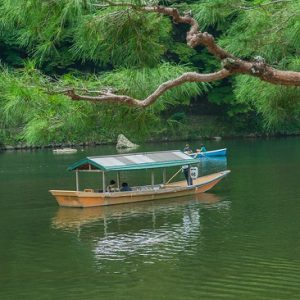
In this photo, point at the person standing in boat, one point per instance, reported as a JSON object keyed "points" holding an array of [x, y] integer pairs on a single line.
{"points": [[187, 149], [187, 174]]}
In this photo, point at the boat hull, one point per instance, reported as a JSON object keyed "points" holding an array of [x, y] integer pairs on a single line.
{"points": [[176, 189], [213, 153]]}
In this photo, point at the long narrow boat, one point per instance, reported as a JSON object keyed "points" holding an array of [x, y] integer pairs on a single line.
{"points": [[128, 162], [213, 153]]}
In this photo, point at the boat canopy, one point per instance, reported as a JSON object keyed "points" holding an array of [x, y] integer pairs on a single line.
{"points": [[134, 161]]}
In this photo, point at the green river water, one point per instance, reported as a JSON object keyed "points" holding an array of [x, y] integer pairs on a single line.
{"points": [[239, 241]]}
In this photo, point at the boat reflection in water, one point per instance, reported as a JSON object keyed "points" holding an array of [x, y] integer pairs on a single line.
{"points": [[71, 218], [155, 229]]}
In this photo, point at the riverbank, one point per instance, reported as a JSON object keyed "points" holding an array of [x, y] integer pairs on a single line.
{"points": [[25, 147], [195, 128]]}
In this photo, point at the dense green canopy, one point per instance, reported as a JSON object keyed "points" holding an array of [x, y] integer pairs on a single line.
{"points": [[47, 46]]}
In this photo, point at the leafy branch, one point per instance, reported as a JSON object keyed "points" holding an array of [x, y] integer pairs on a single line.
{"points": [[231, 65]]}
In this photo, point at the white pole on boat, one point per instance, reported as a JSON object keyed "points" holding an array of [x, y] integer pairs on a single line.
{"points": [[152, 178], [103, 182], [118, 180], [77, 180], [164, 176]]}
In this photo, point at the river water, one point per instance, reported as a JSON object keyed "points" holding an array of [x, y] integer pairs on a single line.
{"points": [[239, 241]]}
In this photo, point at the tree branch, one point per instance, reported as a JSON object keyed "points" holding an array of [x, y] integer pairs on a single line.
{"points": [[107, 97], [195, 37]]}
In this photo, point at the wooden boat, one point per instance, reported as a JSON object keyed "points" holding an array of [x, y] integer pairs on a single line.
{"points": [[213, 153], [64, 151], [128, 162]]}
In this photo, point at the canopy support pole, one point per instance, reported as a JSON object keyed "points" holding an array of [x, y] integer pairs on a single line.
{"points": [[103, 182], [164, 176], [189, 175], [118, 180], [77, 180], [152, 178]]}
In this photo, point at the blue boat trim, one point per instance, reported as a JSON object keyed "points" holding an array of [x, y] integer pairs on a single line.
{"points": [[213, 153]]}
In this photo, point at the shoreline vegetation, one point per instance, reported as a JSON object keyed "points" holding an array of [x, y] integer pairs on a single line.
{"points": [[187, 129], [150, 73], [26, 147], [191, 128]]}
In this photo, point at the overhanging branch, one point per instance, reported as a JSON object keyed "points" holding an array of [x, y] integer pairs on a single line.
{"points": [[195, 37], [107, 97]]}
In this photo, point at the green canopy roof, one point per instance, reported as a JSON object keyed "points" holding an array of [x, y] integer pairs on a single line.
{"points": [[134, 161]]}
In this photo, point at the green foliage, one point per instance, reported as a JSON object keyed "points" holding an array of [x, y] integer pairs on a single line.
{"points": [[43, 118], [122, 38], [65, 30], [248, 29], [217, 13], [79, 44], [184, 53], [179, 117], [222, 95], [34, 115], [257, 31], [278, 105], [139, 83]]}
